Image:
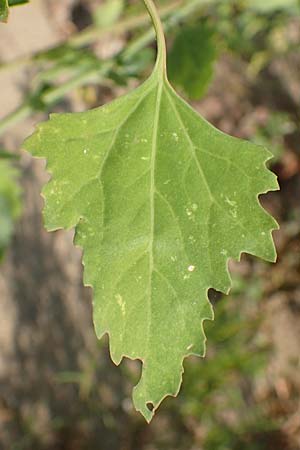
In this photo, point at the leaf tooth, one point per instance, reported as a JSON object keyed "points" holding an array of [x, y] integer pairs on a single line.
{"points": [[168, 330], [146, 401]]}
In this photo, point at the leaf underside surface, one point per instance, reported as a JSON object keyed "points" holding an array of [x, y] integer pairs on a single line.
{"points": [[160, 201]]}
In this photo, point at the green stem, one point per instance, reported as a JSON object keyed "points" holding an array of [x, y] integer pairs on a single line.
{"points": [[57, 93], [161, 60], [91, 34], [54, 95], [187, 10], [16, 116]]}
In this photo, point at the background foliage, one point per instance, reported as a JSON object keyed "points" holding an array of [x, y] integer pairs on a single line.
{"points": [[244, 395], [9, 200]]}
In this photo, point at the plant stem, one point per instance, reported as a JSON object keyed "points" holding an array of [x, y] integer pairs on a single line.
{"points": [[57, 93], [187, 10], [54, 95], [91, 34], [161, 61], [16, 116]]}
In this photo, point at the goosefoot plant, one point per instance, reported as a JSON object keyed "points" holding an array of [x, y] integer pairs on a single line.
{"points": [[160, 200]]}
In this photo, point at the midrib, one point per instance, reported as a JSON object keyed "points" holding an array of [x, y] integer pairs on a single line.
{"points": [[152, 201]]}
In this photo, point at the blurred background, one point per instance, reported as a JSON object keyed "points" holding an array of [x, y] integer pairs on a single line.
{"points": [[238, 63]]}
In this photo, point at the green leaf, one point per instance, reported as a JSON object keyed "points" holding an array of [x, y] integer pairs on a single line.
{"points": [[191, 60], [4, 11], [17, 2], [160, 200], [5, 5], [9, 202]]}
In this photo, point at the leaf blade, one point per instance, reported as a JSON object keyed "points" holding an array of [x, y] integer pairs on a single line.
{"points": [[152, 191]]}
